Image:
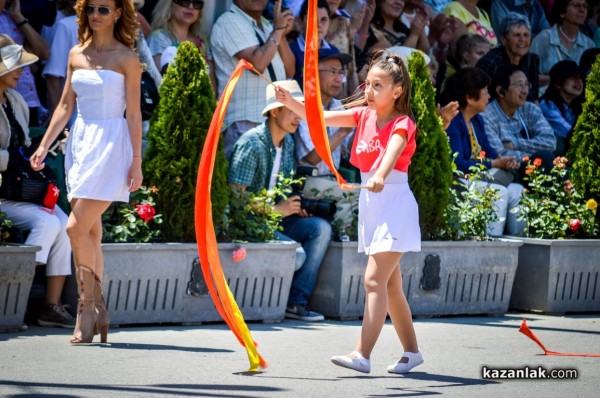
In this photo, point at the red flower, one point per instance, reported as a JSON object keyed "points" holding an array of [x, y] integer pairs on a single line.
{"points": [[146, 212], [575, 224], [537, 161], [239, 254], [482, 155], [525, 159], [530, 170]]}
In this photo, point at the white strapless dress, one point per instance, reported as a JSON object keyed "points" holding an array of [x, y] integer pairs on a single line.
{"points": [[99, 151]]}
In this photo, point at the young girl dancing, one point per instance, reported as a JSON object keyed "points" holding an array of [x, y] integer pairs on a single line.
{"points": [[388, 218]]}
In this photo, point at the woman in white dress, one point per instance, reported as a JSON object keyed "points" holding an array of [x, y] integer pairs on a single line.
{"points": [[103, 159]]}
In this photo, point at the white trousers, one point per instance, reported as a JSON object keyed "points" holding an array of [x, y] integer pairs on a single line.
{"points": [[46, 230]]}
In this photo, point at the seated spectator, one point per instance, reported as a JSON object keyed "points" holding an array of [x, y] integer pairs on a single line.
{"points": [[561, 103], [469, 49], [467, 135], [332, 70], [257, 159], [299, 45], [563, 40], [144, 24], [243, 33], [387, 30], [515, 126], [530, 9], [14, 24], [515, 39], [474, 19], [47, 228], [174, 21]]}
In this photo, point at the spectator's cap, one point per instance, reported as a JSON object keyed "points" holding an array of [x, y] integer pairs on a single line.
{"points": [[138, 4], [167, 56], [405, 53], [13, 56], [562, 70], [290, 85], [329, 53]]}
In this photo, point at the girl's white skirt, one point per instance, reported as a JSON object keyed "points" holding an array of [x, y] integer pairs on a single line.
{"points": [[388, 221]]}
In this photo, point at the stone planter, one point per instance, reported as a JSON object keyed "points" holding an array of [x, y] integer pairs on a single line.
{"points": [[17, 268], [445, 278], [162, 282], [558, 276]]}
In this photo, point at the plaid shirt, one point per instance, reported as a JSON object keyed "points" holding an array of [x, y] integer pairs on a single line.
{"points": [[497, 57], [252, 158], [527, 130], [233, 32]]}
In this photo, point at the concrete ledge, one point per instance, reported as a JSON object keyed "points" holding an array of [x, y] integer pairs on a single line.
{"points": [[17, 268], [461, 278], [162, 282], [558, 276]]}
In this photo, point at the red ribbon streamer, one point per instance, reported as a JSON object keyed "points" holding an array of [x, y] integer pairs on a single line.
{"points": [[205, 231], [312, 95], [527, 332]]}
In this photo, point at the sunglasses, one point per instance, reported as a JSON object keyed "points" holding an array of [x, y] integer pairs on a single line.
{"points": [[102, 10], [196, 4]]}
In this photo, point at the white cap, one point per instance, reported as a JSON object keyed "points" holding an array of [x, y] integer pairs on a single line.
{"points": [[167, 56], [405, 53]]}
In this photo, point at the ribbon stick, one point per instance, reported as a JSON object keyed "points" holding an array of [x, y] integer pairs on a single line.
{"points": [[205, 232], [527, 332], [312, 96]]}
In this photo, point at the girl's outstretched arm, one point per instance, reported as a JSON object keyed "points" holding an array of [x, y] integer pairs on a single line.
{"points": [[343, 118]]}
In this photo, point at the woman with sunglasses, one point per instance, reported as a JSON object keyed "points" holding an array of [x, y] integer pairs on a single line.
{"points": [[103, 158], [175, 21]]}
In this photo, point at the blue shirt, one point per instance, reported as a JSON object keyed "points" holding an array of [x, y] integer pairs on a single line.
{"points": [[460, 142], [561, 124], [533, 11]]}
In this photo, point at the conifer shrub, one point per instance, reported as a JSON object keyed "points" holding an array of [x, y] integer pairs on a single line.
{"points": [[430, 172], [175, 140], [584, 153]]}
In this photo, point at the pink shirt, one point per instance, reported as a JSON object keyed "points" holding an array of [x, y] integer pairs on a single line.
{"points": [[370, 142]]}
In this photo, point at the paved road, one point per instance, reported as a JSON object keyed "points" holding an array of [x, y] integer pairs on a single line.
{"points": [[207, 361]]}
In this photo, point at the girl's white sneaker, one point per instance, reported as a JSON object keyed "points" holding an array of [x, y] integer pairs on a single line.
{"points": [[414, 359], [359, 363]]}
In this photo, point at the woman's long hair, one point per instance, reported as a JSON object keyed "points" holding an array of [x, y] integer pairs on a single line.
{"points": [[161, 18], [126, 27], [378, 20]]}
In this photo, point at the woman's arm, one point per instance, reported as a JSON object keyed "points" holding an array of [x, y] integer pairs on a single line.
{"points": [[133, 77], [60, 117]]}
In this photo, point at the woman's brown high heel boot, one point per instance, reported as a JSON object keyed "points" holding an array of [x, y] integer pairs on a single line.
{"points": [[86, 311], [103, 321]]}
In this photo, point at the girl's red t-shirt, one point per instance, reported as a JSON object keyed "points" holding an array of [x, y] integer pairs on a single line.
{"points": [[370, 142]]}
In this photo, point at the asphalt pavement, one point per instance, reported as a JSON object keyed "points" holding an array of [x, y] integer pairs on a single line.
{"points": [[207, 361]]}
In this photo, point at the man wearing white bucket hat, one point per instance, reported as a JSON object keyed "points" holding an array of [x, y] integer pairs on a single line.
{"points": [[256, 160]]}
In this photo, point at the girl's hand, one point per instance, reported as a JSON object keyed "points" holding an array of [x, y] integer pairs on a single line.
{"points": [[37, 159], [375, 184], [134, 176], [282, 95]]}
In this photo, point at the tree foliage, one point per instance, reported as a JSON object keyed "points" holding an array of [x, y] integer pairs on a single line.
{"points": [[584, 154], [175, 140], [430, 173]]}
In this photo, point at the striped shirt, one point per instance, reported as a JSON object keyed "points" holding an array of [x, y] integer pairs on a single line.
{"points": [[527, 130], [233, 32]]}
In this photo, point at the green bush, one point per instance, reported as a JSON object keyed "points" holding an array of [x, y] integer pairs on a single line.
{"points": [[585, 143], [430, 173], [175, 140]]}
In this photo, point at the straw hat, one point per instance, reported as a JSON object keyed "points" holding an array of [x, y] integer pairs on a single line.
{"points": [[13, 56], [290, 85]]}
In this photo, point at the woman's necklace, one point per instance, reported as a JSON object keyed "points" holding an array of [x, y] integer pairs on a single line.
{"points": [[567, 38]]}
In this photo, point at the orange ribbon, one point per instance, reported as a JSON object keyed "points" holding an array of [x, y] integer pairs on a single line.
{"points": [[527, 332], [312, 95], [205, 230]]}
